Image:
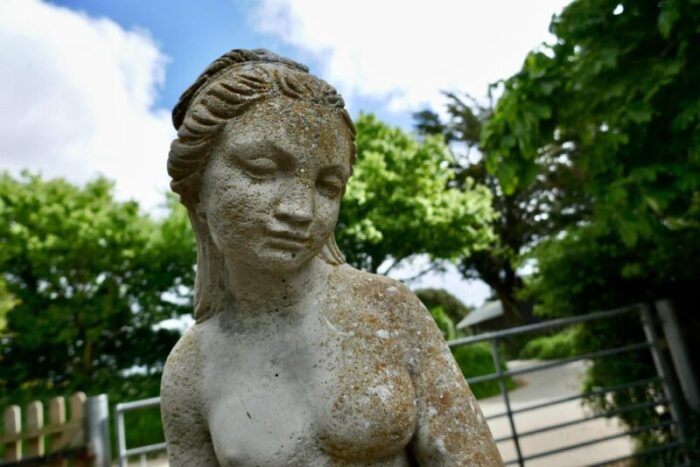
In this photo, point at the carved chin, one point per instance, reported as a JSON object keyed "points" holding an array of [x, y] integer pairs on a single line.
{"points": [[274, 256]]}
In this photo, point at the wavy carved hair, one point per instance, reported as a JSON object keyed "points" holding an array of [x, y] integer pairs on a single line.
{"points": [[225, 90]]}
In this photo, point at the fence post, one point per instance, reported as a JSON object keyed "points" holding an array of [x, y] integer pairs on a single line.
{"points": [[13, 426], [679, 353], [35, 422], [98, 430], [506, 399], [57, 417], [77, 414], [663, 369]]}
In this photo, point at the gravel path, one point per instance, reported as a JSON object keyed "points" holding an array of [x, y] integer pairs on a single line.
{"points": [[542, 386]]}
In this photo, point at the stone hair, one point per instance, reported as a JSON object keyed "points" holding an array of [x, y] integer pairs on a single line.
{"points": [[225, 90]]}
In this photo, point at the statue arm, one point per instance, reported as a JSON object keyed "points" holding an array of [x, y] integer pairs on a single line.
{"points": [[186, 434], [450, 428]]}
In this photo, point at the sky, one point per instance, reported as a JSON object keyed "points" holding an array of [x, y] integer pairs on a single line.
{"points": [[88, 85]]}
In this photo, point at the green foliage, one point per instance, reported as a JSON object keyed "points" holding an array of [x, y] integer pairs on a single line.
{"points": [[444, 322], [618, 97], [525, 214], [451, 305], [7, 302], [399, 201], [556, 346], [590, 269], [619, 94], [476, 360], [91, 277]]}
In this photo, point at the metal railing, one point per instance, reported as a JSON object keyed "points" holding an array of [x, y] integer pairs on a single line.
{"points": [[663, 379], [123, 453]]}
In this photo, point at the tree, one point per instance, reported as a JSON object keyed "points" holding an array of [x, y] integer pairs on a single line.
{"points": [[91, 277], [399, 201], [7, 302], [526, 214], [590, 269], [619, 93], [451, 305]]}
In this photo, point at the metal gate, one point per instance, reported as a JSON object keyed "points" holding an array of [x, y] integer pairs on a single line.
{"points": [[664, 381], [123, 452]]}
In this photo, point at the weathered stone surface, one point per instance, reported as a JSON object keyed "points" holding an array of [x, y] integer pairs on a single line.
{"points": [[296, 358]]}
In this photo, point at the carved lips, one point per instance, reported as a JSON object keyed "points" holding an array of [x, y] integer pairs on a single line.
{"points": [[287, 240]]}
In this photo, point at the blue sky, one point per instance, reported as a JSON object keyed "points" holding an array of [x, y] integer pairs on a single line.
{"points": [[88, 85], [190, 33]]}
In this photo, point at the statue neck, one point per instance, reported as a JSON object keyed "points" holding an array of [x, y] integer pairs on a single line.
{"points": [[256, 290]]}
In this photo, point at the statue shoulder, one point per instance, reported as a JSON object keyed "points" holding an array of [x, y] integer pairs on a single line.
{"points": [[368, 282], [183, 368], [383, 293]]}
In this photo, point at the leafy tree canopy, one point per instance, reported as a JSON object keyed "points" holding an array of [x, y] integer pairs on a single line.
{"points": [[618, 97], [7, 302], [399, 201], [91, 277], [620, 93], [525, 215]]}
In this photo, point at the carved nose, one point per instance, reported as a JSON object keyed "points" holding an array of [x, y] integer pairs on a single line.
{"points": [[296, 206]]}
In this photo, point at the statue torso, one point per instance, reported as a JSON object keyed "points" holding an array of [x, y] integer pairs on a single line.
{"points": [[324, 382]]}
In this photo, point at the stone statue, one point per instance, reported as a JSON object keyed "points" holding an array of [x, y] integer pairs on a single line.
{"points": [[295, 358]]}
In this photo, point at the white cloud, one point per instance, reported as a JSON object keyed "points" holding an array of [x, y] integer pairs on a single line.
{"points": [[77, 99], [407, 52], [471, 292]]}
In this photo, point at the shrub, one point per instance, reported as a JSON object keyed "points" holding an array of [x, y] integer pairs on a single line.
{"points": [[444, 322], [476, 360], [559, 345], [454, 308]]}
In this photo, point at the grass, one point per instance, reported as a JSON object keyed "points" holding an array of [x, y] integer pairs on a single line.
{"points": [[476, 360]]}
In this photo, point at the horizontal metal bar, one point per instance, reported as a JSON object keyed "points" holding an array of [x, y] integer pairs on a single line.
{"points": [[598, 440], [145, 449], [561, 400], [609, 413], [140, 404], [595, 392], [561, 362], [643, 453], [487, 336]]}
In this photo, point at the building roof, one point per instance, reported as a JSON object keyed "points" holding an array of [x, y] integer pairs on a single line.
{"points": [[487, 311]]}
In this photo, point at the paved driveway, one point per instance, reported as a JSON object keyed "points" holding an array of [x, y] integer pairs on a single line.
{"points": [[546, 385]]}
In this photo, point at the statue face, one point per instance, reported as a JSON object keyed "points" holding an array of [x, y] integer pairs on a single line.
{"points": [[272, 188]]}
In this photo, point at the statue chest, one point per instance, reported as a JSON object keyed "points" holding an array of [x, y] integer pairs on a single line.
{"points": [[298, 402]]}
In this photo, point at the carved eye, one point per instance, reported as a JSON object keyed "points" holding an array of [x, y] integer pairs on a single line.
{"points": [[260, 168], [330, 185]]}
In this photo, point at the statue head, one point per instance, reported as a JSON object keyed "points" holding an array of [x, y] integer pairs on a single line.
{"points": [[256, 113]]}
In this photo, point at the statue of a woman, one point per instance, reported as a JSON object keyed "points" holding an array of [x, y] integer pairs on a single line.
{"points": [[296, 358]]}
